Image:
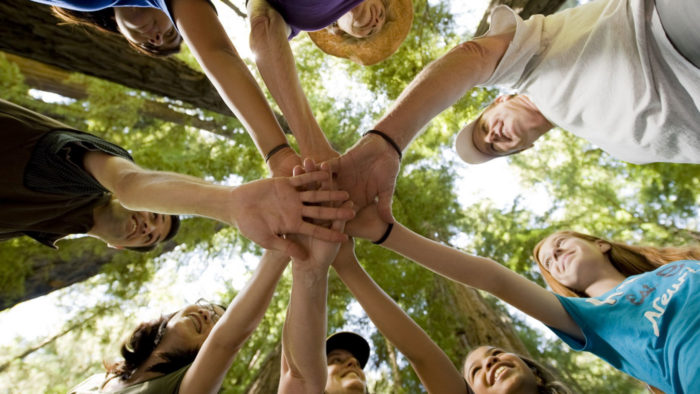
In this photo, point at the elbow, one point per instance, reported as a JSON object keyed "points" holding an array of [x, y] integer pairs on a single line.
{"points": [[478, 58], [124, 187], [262, 29]]}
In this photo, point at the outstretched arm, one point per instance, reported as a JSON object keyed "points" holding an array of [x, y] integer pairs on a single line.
{"points": [[235, 326], [370, 167], [433, 367], [273, 55], [303, 337], [206, 37], [475, 271], [262, 210]]}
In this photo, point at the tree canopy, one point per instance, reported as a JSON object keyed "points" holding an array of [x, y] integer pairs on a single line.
{"points": [[105, 293]]}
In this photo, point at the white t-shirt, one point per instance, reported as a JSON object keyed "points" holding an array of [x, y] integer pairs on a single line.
{"points": [[606, 72]]}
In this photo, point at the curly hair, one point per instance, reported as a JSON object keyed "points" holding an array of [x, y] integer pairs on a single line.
{"points": [[105, 22], [627, 259]]}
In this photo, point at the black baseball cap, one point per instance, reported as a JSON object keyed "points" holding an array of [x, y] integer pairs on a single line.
{"points": [[353, 343]]}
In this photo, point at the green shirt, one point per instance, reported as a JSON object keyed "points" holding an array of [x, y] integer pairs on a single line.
{"points": [[169, 383]]}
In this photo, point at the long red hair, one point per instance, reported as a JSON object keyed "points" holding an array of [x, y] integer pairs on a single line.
{"points": [[627, 259]]}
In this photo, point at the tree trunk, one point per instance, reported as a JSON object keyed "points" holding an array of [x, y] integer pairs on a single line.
{"points": [[268, 377], [395, 373], [55, 80], [477, 322], [77, 260], [30, 30], [525, 8]]}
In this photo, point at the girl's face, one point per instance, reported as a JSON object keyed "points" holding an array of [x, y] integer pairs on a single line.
{"points": [[572, 261], [147, 27], [344, 373], [364, 20], [190, 326], [492, 370]]}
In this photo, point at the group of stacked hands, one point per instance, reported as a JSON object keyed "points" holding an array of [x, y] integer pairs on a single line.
{"points": [[58, 181]]}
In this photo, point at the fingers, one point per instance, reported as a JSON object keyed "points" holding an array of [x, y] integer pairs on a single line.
{"points": [[384, 206], [309, 177], [343, 213], [322, 233], [323, 195], [289, 248], [339, 224]]}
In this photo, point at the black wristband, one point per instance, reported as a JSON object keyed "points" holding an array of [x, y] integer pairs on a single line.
{"points": [[275, 150], [387, 139], [386, 234]]}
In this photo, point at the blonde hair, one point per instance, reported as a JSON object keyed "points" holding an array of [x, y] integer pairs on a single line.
{"points": [[627, 259]]}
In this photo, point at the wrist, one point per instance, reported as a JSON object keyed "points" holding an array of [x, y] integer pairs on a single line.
{"points": [[388, 140]]}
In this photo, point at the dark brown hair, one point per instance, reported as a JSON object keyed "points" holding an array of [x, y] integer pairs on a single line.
{"points": [[627, 259], [140, 346], [103, 20]]}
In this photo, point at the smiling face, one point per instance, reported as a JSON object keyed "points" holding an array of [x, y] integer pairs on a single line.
{"points": [[147, 27], [122, 227], [364, 20], [189, 327], [492, 370], [574, 262], [344, 373], [510, 125]]}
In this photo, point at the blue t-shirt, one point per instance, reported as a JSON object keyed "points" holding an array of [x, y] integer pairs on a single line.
{"points": [[96, 5], [648, 326]]}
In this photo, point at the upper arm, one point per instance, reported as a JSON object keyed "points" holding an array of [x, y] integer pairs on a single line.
{"points": [[200, 27], [108, 170], [532, 299], [263, 20], [485, 53]]}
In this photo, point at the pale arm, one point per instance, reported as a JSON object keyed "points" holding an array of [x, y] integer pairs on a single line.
{"points": [[475, 271], [203, 33], [236, 325], [261, 209], [431, 364], [303, 337], [268, 40]]}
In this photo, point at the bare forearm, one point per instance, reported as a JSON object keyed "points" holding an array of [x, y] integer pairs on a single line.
{"points": [[171, 193], [216, 54], [432, 365], [440, 85], [305, 328], [276, 64]]}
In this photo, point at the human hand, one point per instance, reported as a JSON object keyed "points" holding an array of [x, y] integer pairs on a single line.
{"points": [[321, 253], [282, 163], [267, 208], [367, 224], [368, 171]]}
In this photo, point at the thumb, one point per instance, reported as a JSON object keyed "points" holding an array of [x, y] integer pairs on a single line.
{"points": [[384, 206], [290, 248]]}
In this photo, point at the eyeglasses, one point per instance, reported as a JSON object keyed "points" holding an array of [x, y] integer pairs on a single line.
{"points": [[208, 305]]}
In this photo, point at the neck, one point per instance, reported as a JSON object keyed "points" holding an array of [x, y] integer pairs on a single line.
{"points": [[605, 283], [527, 103], [98, 213]]}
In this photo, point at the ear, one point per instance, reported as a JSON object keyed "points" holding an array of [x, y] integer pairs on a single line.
{"points": [[502, 98], [603, 246]]}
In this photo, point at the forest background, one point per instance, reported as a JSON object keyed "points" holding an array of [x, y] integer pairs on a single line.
{"points": [[81, 301]]}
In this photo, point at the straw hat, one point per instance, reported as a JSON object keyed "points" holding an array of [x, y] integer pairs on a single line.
{"points": [[373, 49]]}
